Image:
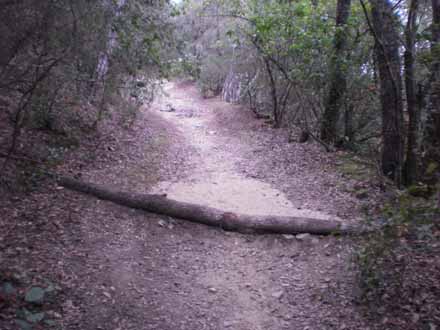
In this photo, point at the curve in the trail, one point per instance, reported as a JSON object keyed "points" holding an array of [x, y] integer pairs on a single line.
{"points": [[215, 181]]}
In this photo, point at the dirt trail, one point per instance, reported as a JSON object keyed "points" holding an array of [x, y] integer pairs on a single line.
{"points": [[132, 270], [203, 278], [216, 181]]}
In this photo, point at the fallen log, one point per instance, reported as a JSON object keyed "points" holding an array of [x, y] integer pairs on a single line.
{"points": [[244, 223]]}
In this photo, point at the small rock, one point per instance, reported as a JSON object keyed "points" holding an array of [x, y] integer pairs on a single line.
{"points": [[303, 237], [55, 314], [162, 223], [415, 318], [315, 240], [169, 108], [35, 295], [278, 294], [228, 324], [289, 237], [69, 304], [212, 290]]}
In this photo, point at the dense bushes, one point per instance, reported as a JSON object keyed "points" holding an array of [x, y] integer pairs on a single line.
{"points": [[399, 265], [62, 61]]}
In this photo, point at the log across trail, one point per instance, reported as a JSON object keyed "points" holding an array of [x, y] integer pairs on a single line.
{"points": [[210, 216]]}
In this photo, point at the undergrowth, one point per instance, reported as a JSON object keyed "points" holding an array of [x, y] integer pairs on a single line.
{"points": [[399, 264]]}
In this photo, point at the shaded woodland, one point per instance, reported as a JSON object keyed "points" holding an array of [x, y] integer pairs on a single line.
{"points": [[358, 78], [336, 70]]}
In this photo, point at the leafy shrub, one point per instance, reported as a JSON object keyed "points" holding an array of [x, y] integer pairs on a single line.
{"points": [[399, 264], [212, 75]]}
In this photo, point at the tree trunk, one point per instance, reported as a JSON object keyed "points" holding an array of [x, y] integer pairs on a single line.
{"points": [[104, 57], [388, 61], [411, 97], [210, 216], [338, 83], [274, 94], [432, 137], [103, 65], [348, 119], [231, 91]]}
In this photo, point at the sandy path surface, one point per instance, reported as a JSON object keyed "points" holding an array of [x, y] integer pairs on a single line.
{"points": [[216, 180]]}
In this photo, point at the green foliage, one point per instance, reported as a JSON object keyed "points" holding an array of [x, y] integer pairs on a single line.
{"points": [[204, 45], [212, 75], [58, 49], [408, 232], [144, 35], [61, 64], [354, 167], [295, 30]]}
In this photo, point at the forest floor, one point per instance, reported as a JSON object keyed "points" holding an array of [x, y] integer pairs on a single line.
{"points": [[116, 268]]}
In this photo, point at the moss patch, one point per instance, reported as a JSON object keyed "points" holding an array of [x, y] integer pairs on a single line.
{"points": [[355, 168]]}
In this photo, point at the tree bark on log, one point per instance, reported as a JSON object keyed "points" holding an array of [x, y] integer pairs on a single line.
{"points": [[244, 223]]}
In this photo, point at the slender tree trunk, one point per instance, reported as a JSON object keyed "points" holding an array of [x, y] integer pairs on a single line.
{"points": [[231, 90], [411, 96], [348, 119], [338, 83], [388, 61], [104, 57], [432, 137], [273, 93], [103, 65]]}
